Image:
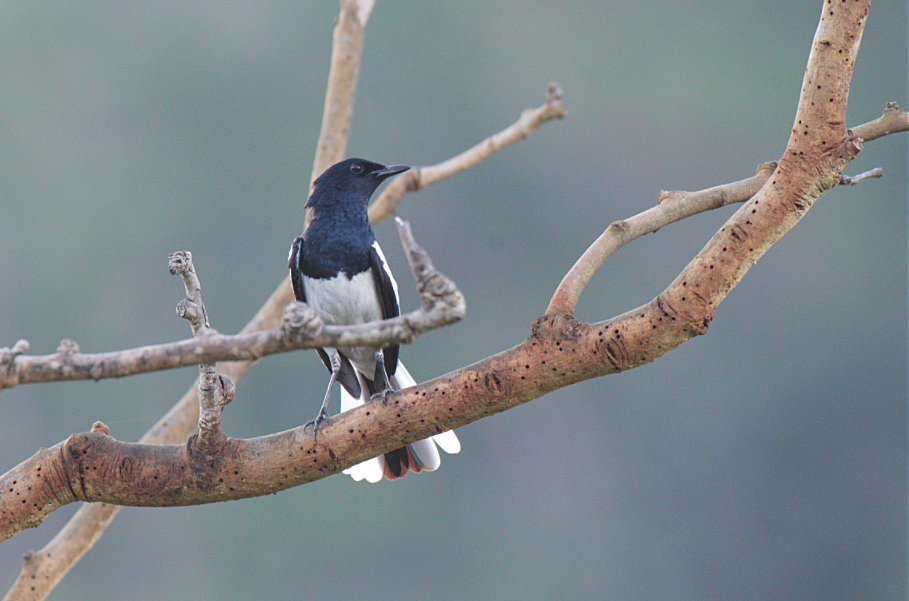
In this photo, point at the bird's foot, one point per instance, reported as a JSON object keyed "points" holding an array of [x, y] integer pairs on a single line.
{"points": [[316, 423], [380, 395]]}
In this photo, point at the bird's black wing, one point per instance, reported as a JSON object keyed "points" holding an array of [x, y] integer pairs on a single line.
{"points": [[296, 274], [347, 375], [388, 298]]}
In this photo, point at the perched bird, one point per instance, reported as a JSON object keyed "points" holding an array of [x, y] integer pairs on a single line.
{"points": [[337, 268]]}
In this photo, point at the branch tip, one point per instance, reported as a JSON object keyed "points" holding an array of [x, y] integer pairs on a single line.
{"points": [[68, 347], [434, 288]]}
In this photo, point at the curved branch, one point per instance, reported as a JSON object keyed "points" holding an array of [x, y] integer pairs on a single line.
{"points": [[573, 351], [559, 352], [671, 207], [677, 205]]}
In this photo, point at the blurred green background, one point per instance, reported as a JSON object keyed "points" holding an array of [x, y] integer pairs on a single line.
{"points": [[765, 460]]}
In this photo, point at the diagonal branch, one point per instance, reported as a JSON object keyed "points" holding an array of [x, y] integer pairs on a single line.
{"points": [[559, 352], [346, 51], [892, 121], [674, 206], [420, 177], [671, 207], [53, 561]]}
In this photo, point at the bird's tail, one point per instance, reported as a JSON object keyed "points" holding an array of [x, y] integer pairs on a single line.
{"points": [[416, 457]]}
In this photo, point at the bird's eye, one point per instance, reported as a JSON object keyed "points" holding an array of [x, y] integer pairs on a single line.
{"points": [[356, 168]]}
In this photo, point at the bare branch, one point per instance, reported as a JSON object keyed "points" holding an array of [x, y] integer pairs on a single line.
{"points": [[215, 390], [442, 304], [87, 525], [346, 54], [191, 309], [892, 121], [420, 177], [851, 181], [671, 207]]}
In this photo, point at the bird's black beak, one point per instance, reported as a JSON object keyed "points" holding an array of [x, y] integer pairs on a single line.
{"points": [[387, 172]]}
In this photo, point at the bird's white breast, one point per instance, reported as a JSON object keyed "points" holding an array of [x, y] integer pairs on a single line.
{"points": [[342, 301]]}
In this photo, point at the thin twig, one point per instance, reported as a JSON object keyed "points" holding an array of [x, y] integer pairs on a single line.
{"points": [[420, 177], [853, 180], [891, 121]]}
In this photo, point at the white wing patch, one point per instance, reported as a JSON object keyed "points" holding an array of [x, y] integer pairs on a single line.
{"points": [[391, 276]]}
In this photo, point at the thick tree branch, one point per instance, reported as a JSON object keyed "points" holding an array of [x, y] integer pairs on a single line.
{"points": [[560, 350]]}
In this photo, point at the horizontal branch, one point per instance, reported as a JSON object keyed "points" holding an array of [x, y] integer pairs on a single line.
{"points": [[50, 564], [442, 304]]}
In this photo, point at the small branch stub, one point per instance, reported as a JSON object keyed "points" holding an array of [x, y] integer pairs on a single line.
{"points": [[435, 289], [9, 373], [853, 180], [191, 308]]}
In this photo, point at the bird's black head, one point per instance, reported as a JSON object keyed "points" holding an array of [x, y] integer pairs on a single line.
{"points": [[350, 182]]}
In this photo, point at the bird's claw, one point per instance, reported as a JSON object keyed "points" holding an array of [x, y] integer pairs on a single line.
{"points": [[379, 395], [316, 423]]}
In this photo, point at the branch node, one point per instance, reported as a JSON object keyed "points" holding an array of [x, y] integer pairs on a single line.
{"points": [[619, 227], [669, 195], [554, 105], [227, 388], [9, 370], [768, 166], [68, 347], [100, 428], [180, 263], [192, 308], [299, 319], [434, 288], [97, 370]]}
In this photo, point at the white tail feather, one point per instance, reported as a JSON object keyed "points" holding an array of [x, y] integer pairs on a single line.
{"points": [[424, 451]]}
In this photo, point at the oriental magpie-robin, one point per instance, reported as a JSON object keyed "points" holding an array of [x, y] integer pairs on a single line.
{"points": [[337, 267]]}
